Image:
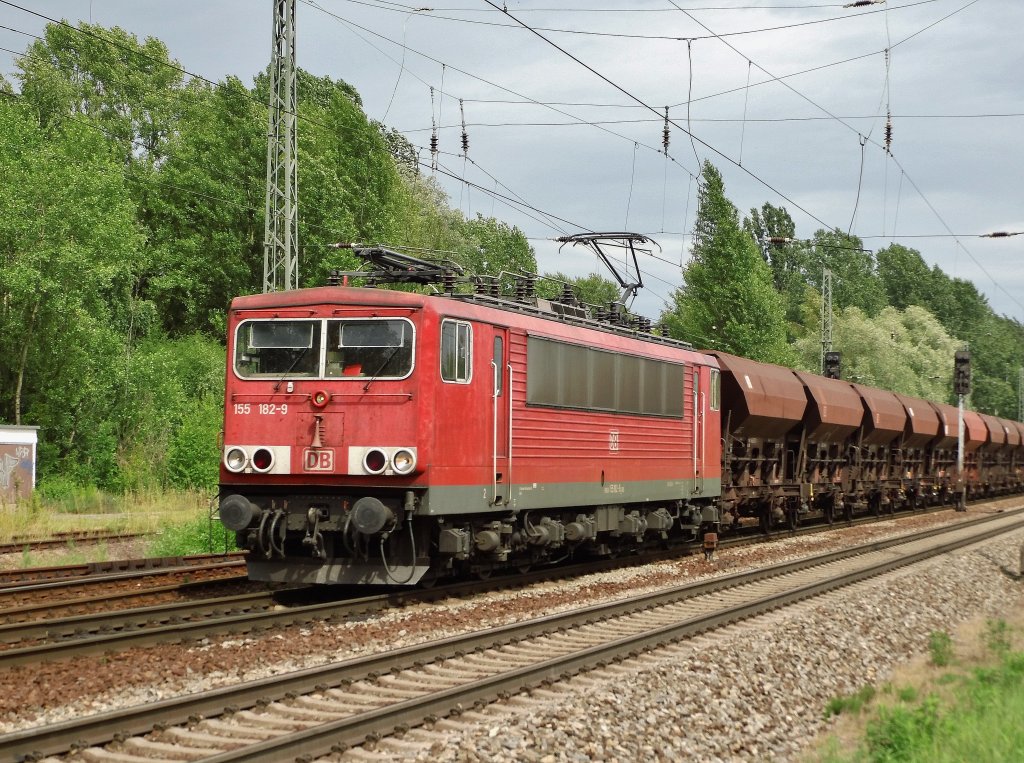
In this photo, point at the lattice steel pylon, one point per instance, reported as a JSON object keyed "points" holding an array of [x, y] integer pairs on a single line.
{"points": [[281, 231]]}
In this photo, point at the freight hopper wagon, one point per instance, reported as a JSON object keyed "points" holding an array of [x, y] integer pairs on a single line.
{"points": [[387, 437], [797, 445]]}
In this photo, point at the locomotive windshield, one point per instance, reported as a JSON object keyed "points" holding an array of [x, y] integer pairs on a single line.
{"points": [[377, 348], [278, 348]]}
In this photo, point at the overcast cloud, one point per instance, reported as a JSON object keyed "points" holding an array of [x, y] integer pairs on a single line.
{"points": [[953, 86]]}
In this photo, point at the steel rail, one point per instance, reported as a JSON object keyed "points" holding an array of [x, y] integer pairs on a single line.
{"points": [[96, 729], [336, 736], [182, 622], [138, 568], [59, 539]]}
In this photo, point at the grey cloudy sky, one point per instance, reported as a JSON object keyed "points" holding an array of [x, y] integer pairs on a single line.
{"points": [[544, 128]]}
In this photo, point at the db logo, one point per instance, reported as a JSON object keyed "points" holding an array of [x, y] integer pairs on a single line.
{"points": [[318, 460], [613, 440]]}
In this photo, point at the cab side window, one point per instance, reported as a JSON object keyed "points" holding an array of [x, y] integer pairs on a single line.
{"points": [[456, 351]]}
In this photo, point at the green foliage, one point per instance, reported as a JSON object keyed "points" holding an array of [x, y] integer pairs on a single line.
{"points": [[194, 455], [854, 280], [592, 289], [728, 300], [907, 352], [907, 694], [774, 231], [898, 732], [202, 534], [940, 646], [133, 211]]}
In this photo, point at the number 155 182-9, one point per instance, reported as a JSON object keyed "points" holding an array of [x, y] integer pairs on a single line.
{"points": [[263, 409]]}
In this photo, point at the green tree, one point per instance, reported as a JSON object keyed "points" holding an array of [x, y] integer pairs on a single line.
{"points": [[593, 289], [204, 209], [68, 235], [775, 233], [728, 299], [905, 276], [854, 280], [904, 351]]}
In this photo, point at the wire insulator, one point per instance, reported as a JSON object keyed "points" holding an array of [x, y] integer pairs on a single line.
{"points": [[433, 133], [888, 132], [465, 136], [665, 132]]}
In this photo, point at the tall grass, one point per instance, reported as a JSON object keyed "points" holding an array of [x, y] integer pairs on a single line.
{"points": [[969, 713], [68, 507], [201, 533]]}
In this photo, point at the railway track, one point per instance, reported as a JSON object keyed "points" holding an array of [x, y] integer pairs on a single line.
{"points": [[17, 544], [327, 709], [31, 634], [109, 570]]}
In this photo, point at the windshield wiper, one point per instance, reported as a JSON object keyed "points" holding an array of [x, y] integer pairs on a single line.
{"points": [[381, 367], [291, 368]]}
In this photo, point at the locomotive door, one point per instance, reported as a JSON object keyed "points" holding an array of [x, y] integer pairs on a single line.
{"points": [[698, 434], [501, 399]]}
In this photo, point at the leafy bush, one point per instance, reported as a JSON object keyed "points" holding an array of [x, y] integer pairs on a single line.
{"points": [[899, 731], [194, 455]]}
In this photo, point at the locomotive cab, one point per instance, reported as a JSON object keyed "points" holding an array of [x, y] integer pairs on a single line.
{"points": [[322, 454]]}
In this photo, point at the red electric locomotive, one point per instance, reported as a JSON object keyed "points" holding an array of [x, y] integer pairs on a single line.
{"points": [[387, 437]]}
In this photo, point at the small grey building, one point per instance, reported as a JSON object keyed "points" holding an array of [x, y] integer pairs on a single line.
{"points": [[17, 462]]}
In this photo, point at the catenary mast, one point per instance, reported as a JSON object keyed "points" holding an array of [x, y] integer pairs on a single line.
{"points": [[281, 232]]}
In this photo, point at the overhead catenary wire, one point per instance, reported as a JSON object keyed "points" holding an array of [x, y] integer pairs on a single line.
{"points": [[351, 25], [704, 143], [431, 13]]}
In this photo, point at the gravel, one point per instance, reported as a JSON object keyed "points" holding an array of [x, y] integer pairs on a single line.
{"points": [[754, 691]]}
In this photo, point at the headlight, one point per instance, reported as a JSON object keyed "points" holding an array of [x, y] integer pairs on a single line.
{"points": [[235, 459], [375, 461], [262, 460], [404, 461]]}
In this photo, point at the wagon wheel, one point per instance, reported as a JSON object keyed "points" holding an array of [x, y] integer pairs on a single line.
{"points": [[792, 517], [830, 511], [485, 570], [875, 502]]}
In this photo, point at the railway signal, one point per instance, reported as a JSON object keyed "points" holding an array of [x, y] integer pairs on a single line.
{"points": [[833, 365], [962, 372]]}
